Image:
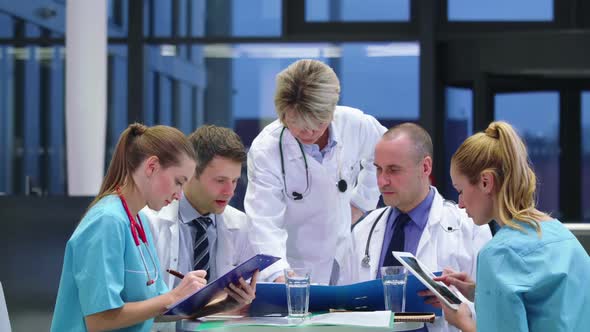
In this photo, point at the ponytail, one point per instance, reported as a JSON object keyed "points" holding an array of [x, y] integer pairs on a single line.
{"points": [[137, 143], [500, 151], [118, 170]]}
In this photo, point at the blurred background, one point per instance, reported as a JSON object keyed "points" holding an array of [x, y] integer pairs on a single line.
{"points": [[452, 66]]}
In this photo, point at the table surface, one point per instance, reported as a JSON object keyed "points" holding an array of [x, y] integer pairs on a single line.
{"points": [[187, 325]]}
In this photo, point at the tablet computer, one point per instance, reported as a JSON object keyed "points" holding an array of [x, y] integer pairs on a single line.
{"points": [[194, 302], [449, 297]]}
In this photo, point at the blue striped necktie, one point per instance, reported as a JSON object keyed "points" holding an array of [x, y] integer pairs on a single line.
{"points": [[201, 247]]}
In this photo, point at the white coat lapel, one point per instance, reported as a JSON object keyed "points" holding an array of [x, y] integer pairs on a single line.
{"points": [[291, 149], [171, 235], [377, 241], [427, 247]]}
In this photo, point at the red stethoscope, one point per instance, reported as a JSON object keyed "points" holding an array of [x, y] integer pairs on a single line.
{"points": [[138, 233]]}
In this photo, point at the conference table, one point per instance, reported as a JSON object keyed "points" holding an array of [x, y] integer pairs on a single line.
{"points": [[218, 326]]}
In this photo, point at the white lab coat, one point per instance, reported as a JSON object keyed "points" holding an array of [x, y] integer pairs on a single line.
{"points": [[314, 231], [232, 247], [439, 247]]}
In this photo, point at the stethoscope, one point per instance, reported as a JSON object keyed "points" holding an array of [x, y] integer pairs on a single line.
{"points": [[365, 262], [138, 233], [342, 185]]}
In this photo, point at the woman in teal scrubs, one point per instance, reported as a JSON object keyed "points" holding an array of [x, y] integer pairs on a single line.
{"points": [[110, 278], [532, 275]]}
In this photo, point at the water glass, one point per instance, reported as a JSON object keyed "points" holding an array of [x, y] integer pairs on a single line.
{"points": [[394, 287], [297, 281]]}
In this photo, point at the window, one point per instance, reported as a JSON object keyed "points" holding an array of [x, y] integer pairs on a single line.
{"points": [[199, 18], [586, 156], [500, 10], [458, 126], [357, 11], [536, 118]]}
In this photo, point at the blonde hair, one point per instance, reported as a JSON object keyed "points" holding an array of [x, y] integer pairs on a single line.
{"points": [[137, 143], [310, 89], [500, 151]]}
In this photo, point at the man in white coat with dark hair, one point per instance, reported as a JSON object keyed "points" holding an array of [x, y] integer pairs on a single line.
{"points": [[417, 218], [200, 231]]}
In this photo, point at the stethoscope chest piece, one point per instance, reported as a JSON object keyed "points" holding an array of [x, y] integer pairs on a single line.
{"points": [[365, 261], [342, 185]]}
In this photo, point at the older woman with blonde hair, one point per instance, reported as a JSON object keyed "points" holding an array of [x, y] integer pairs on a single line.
{"points": [[310, 175], [531, 275]]}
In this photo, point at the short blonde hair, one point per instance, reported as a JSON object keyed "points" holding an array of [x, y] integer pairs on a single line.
{"points": [[500, 151], [310, 89]]}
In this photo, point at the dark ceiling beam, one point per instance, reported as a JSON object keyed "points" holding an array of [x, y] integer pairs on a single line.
{"points": [[551, 54]]}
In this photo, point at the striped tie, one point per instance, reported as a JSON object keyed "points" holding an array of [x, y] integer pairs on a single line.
{"points": [[201, 248]]}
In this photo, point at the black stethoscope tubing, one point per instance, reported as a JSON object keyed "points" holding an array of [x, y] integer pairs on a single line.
{"points": [[294, 195], [342, 185], [367, 259]]}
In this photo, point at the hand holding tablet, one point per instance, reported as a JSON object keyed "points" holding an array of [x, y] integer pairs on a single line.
{"points": [[447, 296]]}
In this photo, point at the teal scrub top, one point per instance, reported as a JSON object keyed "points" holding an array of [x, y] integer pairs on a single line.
{"points": [[527, 283], [103, 269]]}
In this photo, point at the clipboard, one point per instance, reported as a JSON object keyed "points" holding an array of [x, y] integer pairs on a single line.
{"points": [[194, 302]]}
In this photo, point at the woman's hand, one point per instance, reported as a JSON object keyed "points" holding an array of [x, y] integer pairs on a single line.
{"points": [[430, 298], [461, 281], [132, 313], [460, 318], [191, 282]]}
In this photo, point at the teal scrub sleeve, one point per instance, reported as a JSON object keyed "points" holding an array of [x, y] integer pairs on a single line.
{"points": [[500, 288], [99, 267]]}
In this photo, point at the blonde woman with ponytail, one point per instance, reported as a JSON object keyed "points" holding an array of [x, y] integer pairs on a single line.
{"points": [[532, 275], [111, 274]]}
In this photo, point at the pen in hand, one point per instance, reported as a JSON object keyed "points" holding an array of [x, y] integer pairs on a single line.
{"points": [[175, 273]]}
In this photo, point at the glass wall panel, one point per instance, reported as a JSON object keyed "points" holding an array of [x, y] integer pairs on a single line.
{"points": [[199, 18], [458, 126], [535, 115], [32, 119], [500, 10], [116, 97], [6, 106], [586, 156], [357, 11], [256, 17]]}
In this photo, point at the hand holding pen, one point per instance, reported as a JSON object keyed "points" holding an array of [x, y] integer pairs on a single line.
{"points": [[189, 284], [175, 273]]}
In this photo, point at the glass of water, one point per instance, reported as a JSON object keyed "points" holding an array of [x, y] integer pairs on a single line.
{"points": [[394, 287], [297, 281]]}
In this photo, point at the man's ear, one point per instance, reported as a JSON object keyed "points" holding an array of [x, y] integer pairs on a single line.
{"points": [[152, 165], [487, 182], [427, 165]]}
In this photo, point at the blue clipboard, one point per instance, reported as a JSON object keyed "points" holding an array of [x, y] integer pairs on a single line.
{"points": [[271, 298], [201, 297]]}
